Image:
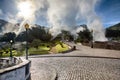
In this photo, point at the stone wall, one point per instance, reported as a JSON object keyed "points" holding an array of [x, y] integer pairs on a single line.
{"points": [[17, 72], [105, 45]]}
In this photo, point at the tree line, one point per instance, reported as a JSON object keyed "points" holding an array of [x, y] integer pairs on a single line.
{"points": [[42, 34]]}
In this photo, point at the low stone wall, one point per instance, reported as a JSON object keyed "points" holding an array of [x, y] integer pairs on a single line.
{"points": [[105, 45], [16, 72]]}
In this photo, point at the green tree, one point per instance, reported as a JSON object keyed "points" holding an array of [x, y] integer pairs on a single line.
{"points": [[67, 35], [84, 36], [36, 43], [8, 36]]}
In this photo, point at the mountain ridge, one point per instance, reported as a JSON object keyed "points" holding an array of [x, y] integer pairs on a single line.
{"points": [[114, 27]]}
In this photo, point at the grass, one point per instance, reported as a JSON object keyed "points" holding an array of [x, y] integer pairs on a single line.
{"points": [[61, 49], [14, 53], [45, 50], [58, 48], [40, 51]]}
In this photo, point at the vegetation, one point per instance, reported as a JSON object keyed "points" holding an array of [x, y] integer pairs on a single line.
{"points": [[84, 36], [113, 32], [39, 51], [40, 41], [37, 32], [7, 37], [14, 53], [58, 48], [115, 27]]}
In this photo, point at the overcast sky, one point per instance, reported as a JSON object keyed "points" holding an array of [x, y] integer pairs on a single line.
{"points": [[107, 10]]}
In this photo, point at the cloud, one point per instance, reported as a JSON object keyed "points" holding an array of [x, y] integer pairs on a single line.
{"points": [[62, 14]]}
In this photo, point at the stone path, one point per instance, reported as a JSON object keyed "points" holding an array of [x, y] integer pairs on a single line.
{"points": [[82, 64]]}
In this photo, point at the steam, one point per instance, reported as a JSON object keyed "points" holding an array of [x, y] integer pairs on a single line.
{"points": [[98, 30], [7, 28], [69, 12], [61, 15]]}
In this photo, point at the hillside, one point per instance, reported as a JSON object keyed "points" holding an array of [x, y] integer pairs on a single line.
{"points": [[113, 31], [115, 27]]}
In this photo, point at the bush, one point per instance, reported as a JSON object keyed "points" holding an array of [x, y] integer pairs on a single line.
{"points": [[36, 43]]}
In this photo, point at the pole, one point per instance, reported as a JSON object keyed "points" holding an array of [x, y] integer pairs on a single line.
{"points": [[26, 43], [11, 50], [92, 41]]}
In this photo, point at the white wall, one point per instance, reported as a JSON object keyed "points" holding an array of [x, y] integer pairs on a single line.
{"points": [[15, 73]]}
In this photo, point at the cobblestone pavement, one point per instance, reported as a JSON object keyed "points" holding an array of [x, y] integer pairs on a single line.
{"points": [[63, 67]]}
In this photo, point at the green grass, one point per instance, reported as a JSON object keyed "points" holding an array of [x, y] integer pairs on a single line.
{"points": [[61, 49], [58, 48], [14, 53], [40, 51], [45, 50]]}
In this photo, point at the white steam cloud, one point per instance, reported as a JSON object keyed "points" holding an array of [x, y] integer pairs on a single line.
{"points": [[62, 14]]}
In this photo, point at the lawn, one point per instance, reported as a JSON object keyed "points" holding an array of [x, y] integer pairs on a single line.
{"points": [[45, 50], [14, 53], [58, 48], [39, 51]]}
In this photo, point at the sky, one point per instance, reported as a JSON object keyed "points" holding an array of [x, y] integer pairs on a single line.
{"points": [[107, 10]]}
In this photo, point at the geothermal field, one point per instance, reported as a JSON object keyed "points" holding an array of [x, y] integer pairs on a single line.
{"points": [[59, 40]]}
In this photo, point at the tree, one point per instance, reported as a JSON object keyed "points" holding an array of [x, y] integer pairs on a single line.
{"points": [[8, 36], [21, 37], [40, 33], [85, 36], [112, 33], [67, 35], [36, 43]]}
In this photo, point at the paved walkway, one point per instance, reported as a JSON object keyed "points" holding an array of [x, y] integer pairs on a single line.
{"points": [[83, 64]]}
